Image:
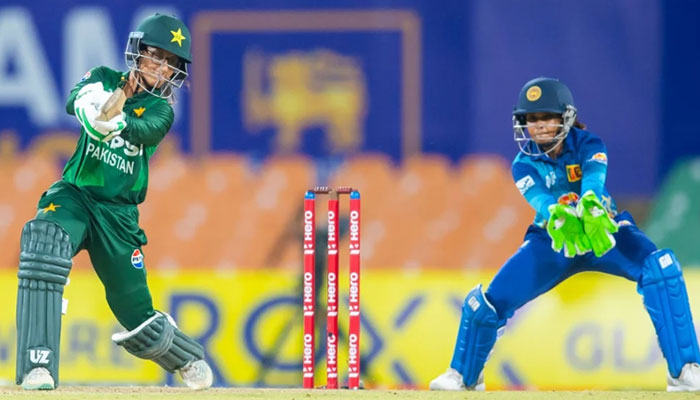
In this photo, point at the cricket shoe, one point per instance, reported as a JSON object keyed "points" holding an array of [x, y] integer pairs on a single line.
{"points": [[197, 375], [687, 381], [38, 379], [452, 380]]}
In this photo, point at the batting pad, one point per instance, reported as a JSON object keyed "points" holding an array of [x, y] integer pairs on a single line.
{"points": [[44, 265], [477, 334], [666, 300], [159, 339]]}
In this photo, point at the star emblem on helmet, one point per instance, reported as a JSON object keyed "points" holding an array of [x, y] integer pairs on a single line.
{"points": [[178, 37]]}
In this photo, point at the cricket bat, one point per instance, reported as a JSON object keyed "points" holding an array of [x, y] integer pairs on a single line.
{"points": [[113, 106]]}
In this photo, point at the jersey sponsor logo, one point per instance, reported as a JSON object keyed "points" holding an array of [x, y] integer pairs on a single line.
{"points": [[568, 199], [624, 222], [534, 93], [600, 157], [574, 173], [86, 76], [110, 158], [130, 150], [137, 259], [524, 184], [104, 153]]}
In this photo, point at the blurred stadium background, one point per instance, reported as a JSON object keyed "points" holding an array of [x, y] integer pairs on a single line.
{"points": [[410, 102]]}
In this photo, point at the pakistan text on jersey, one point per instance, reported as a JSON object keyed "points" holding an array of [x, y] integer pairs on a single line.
{"points": [[109, 157]]}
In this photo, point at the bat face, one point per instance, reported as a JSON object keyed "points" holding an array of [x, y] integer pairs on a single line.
{"points": [[113, 106]]}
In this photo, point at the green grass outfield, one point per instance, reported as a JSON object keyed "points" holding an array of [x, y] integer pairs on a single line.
{"points": [[98, 392]]}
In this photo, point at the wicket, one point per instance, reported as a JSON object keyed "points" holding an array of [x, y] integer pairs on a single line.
{"points": [[332, 281]]}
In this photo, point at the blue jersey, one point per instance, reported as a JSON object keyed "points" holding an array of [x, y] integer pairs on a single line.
{"points": [[581, 166]]}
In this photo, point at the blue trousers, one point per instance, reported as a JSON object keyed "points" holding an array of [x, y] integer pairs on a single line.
{"points": [[535, 268]]}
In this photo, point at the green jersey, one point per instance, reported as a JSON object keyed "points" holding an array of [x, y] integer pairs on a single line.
{"points": [[117, 171]]}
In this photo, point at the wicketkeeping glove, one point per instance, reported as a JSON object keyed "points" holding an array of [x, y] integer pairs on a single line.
{"points": [[566, 231], [597, 223]]}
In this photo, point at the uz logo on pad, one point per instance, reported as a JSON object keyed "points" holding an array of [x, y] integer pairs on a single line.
{"points": [[39, 356]]}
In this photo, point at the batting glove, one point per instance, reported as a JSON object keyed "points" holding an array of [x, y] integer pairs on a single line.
{"points": [[88, 105], [91, 95], [110, 128]]}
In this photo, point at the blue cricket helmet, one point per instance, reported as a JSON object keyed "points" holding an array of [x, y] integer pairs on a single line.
{"points": [[547, 95], [543, 95]]}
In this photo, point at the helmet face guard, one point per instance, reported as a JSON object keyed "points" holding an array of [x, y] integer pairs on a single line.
{"points": [[527, 144], [163, 88], [542, 95]]}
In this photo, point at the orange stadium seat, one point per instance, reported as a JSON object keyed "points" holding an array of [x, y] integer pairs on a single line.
{"points": [[228, 180], [428, 214], [23, 180], [269, 215], [187, 207], [219, 212], [171, 187], [396, 203], [420, 194], [485, 220], [376, 179]]}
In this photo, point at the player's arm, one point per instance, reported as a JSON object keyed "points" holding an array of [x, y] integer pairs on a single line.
{"points": [[86, 101], [563, 225], [151, 127], [533, 188], [597, 223], [595, 166]]}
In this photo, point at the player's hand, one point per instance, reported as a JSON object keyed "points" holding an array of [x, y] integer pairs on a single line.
{"points": [[88, 105], [88, 102], [110, 128], [104, 131], [566, 231], [597, 223], [91, 95]]}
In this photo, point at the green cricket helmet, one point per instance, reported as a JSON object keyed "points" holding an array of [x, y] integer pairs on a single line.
{"points": [[164, 32], [546, 95]]}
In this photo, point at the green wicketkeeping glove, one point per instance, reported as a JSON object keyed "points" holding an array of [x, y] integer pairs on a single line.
{"points": [[566, 231], [597, 223]]}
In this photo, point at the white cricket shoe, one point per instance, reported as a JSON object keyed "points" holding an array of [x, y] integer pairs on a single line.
{"points": [[197, 375], [687, 381], [452, 380], [38, 379]]}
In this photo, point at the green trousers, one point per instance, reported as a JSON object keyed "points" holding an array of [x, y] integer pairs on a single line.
{"points": [[112, 237]]}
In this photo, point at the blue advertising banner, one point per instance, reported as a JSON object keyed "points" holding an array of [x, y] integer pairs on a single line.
{"points": [[399, 77]]}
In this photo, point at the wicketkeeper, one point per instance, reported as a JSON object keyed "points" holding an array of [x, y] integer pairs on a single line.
{"points": [[561, 170], [94, 207]]}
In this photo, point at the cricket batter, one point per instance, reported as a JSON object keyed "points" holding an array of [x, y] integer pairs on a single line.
{"points": [[561, 170], [94, 207]]}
